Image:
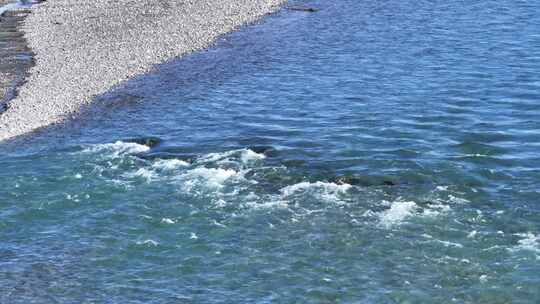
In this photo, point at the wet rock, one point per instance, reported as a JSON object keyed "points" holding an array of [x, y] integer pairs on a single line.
{"points": [[425, 204], [350, 180], [266, 150], [147, 141], [190, 158], [389, 183], [364, 181], [303, 9]]}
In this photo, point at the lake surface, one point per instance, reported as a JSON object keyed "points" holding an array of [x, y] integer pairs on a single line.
{"points": [[371, 152]]}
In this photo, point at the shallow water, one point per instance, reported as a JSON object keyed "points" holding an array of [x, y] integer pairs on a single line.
{"points": [[371, 152]]}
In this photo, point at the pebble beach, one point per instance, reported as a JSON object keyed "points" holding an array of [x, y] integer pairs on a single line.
{"points": [[15, 58], [86, 49]]}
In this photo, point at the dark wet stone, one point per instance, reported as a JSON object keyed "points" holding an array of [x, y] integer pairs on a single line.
{"points": [[389, 183], [266, 150], [165, 155], [303, 9], [147, 141], [351, 180], [364, 181], [425, 204]]}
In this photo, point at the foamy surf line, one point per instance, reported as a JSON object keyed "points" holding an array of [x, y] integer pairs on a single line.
{"points": [[84, 50]]}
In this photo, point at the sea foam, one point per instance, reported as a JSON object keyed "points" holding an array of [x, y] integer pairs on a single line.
{"points": [[323, 190], [116, 149], [528, 242], [169, 164], [399, 210]]}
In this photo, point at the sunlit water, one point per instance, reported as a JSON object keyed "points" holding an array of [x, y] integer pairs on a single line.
{"points": [[371, 152]]}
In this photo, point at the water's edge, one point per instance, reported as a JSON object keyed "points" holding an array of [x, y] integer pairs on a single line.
{"points": [[16, 58]]}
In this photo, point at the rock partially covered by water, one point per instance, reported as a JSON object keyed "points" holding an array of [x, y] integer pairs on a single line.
{"points": [[146, 141], [266, 150], [303, 9], [364, 181]]}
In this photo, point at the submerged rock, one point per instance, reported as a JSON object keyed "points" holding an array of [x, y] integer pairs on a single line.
{"points": [[303, 9], [266, 150], [389, 183], [189, 158], [350, 180], [146, 141], [364, 181]]}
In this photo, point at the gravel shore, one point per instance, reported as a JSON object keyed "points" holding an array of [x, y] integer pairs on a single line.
{"points": [[15, 57], [85, 48], [6, 80]]}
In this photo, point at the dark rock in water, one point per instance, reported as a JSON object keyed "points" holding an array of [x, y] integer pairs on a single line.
{"points": [[365, 181], [389, 183], [425, 204], [266, 150], [147, 141], [303, 9], [165, 155], [350, 180]]}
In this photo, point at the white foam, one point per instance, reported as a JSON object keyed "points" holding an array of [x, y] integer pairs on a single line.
{"points": [[214, 157], [476, 155], [529, 242], [220, 203], [399, 210], [325, 191], [449, 244], [483, 278], [116, 149], [169, 164], [268, 205], [213, 178], [457, 200], [244, 155], [148, 242], [472, 234], [433, 210], [142, 173], [167, 221], [250, 156], [219, 224]]}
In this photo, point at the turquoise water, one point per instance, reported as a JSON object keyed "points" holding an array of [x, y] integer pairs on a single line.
{"points": [[371, 152]]}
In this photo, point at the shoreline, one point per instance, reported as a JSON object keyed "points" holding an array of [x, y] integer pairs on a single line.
{"points": [[15, 56], [85, 50]]}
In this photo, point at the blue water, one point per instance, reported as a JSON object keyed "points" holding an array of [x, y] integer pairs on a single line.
{"points": [[371, 152]]}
